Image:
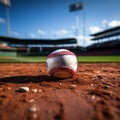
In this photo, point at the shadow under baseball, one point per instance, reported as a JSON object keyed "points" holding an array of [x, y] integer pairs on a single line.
{"points": [[27, 79]]}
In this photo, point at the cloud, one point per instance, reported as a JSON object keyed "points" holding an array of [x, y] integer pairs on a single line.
{"points": [[106, 24], [2, 21], [94, 29], [32, 35], [84, 40], [61, 33], [112, 23], [41, 32]]}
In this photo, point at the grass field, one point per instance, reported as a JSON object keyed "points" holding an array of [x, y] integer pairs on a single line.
{"points": [[82, 59]]}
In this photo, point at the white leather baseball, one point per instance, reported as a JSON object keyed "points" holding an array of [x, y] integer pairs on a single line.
{"points": [[62, 63]]}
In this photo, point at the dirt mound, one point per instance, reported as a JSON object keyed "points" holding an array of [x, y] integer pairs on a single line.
{"points": [[27, 92]]}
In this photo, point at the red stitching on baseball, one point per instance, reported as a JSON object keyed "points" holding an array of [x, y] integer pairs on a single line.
{"points": [[60, 54], [62, 68]]}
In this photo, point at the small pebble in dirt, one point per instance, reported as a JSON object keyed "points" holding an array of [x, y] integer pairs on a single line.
{"points": [[23, 89], [93, 97], [34, 90], [33, 108], [60, 84], [40, 90], [91, 85], [72, 86], [32, 100], [98, 72], [9, 88], [41, 70]]}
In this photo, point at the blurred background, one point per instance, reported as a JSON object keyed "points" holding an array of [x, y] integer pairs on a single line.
{"points": [[38, 27]]}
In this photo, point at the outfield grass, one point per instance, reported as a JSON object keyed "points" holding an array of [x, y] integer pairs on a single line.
{"points": [[83, 59], [22, 59], [98, 59]]}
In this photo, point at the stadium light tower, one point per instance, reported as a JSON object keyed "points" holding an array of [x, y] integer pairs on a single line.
{"points": [[75, 7], [7, 4]]}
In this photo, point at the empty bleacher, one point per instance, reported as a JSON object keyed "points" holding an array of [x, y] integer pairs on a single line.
{"points": [[108, 43]]}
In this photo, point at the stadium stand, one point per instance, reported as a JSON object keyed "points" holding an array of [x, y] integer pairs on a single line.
{"points": [[33, 47], [108, 43], [38, 41], [106, 33]]}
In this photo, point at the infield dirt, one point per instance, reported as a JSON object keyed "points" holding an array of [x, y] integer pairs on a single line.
{"points": [[92, 94]]}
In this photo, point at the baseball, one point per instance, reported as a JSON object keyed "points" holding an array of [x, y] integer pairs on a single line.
{"points": [[62, 63]]}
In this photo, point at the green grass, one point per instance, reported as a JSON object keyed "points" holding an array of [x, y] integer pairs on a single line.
{"points": [[82, 59], [99, 59], [8, 61], [22, 59]]}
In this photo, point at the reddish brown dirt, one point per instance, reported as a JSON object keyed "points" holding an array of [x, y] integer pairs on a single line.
{"points": [[92, 94]]}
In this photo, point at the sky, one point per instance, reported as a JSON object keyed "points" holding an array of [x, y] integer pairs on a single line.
{"points": [[51, 19]]}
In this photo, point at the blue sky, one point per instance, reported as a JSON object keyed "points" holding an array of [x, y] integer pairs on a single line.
{"points": [[52, 18]]}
